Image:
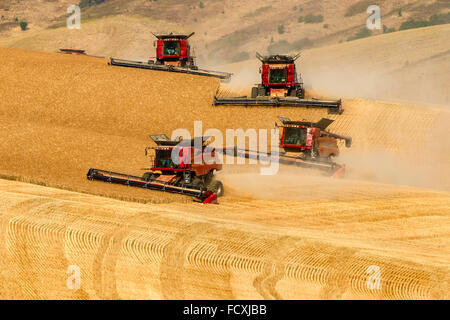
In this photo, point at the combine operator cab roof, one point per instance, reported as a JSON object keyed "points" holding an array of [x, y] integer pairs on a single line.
{"points": [[322, 124], [173, 36], [277, 58]]}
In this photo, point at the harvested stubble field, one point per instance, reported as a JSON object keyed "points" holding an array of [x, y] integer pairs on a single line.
{"points": [[293, 235], [238, 250]]}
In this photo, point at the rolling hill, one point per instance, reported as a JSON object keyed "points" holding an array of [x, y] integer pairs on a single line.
{"points": [[226, 30], [295, 235]]}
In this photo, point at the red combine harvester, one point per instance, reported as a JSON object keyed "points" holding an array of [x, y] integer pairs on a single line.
{"points": [[183, 176], [306, 144], [173, 54], [280, 86]]}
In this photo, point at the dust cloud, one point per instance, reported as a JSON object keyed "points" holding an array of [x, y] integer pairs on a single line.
{"points": [[289, 184]]}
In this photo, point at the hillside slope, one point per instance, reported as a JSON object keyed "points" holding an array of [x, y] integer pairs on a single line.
{"points": [[405, 67], [294, 235], [64, 114], [240, 250], [226, 30]]}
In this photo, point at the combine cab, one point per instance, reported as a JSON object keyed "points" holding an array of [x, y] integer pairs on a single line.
{"points": [[280, 86], [173, 53], [184, 175]]}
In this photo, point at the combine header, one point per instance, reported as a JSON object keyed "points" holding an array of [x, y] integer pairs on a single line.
{"points": [[77, 52], [280, 86], [186, 177], [173, 54], [306, 144]]}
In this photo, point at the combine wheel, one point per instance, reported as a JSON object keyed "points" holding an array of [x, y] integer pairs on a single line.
{"points": [[300, 93], [293, 92], [261, 91], [254, 92], [198, 184], [217, 187], [192, 65]]}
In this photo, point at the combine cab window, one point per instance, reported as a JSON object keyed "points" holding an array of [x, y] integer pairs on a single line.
{"points": [[296, 136], [277, 75], [171, 48], [164, 159]]}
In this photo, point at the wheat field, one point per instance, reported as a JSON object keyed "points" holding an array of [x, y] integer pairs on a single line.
{"points": [[296, 235], [249, 249]]}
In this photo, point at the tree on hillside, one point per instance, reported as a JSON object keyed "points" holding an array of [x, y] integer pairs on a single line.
{"points": [[363, 33], [281, 29], [311, 18], [23, 25], [89, 3]]}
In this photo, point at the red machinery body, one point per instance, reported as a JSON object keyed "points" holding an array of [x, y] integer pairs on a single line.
{"points": [[174, 51], [278, 77], [181, 49], [287, 70], [191, 160], [182, 163]]}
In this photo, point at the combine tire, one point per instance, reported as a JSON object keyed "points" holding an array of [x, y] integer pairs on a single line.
{"points": [[254, 92], [261, 91], [217, 187], [300, 93], [198, 184]]}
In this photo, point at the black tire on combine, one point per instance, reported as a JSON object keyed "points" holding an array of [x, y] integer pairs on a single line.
{"points": [[261, 91], [293, 92], [192, 65], [300, 93], [217, 187], [254, 92], [198, 184]]}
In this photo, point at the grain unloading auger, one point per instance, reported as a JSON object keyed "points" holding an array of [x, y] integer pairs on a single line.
{"points": [[173, 54], [280, 86], [185, 176], [305, 144]]}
